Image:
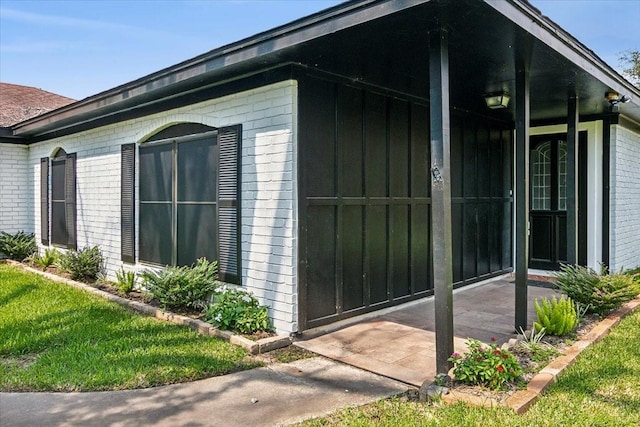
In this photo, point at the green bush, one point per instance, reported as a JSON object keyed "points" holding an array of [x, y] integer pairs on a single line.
{"points": [[487, 366], [85, 264], [600, 292], [17, 246], [126, 280], [183, 288], [614, 290], [556, 316], [237, 310], [49, 258]]}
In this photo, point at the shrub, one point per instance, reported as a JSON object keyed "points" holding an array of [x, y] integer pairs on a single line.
{"points": [[577, 282], [49, 258], [555, 316], [84, 264], [613, 291], [17, 246], [126, 280], [237, 310], [183, 288], [487, 366], [601, 293]]}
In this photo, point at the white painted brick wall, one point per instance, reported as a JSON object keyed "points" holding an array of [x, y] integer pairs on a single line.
{"points": [[16, 205], [625, 198], [269, 227]]}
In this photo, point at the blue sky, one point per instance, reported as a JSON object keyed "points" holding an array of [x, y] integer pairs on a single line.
{"points": [[80, 48]]}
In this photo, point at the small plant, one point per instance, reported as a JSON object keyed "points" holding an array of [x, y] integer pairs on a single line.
{"points": [[534, 338], [126, 280], [237, 310], [601, 292], [49, 258], [487, 366], [555, 316], [185, 288], [581, 311], [17, 246], [85, 264]]}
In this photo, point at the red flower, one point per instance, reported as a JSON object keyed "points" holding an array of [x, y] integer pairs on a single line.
{"points": [[500, 368], [497, 352], [493, 339], [505, 356]]}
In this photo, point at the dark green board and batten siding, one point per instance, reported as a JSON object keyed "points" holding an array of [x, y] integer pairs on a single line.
{"points": [[365, 238]]}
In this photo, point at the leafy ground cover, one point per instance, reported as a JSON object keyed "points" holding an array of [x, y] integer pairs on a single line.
{"points": [[601, 389], [58, 338]]}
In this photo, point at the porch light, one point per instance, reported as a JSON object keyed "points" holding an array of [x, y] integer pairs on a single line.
{"points": [[497, 100], [614, 99]]}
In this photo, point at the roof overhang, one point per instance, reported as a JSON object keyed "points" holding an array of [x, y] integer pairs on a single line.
{"points": [[353, 37]]}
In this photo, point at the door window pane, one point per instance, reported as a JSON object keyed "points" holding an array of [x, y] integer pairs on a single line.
{"points": [[541, 177], [562, 175]]}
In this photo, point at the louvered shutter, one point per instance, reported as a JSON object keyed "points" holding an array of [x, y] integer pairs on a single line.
{"points": [[127, 203], [44, 201], [70, 199], [229, 203]]}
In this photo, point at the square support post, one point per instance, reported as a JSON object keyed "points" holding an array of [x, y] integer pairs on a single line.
{"points": [[441, 196], [572, 187], [522, 194]]}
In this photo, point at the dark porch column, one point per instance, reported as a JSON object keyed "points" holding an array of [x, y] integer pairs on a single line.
{"points": [[441, 195], [522, 193], [572, 188]]}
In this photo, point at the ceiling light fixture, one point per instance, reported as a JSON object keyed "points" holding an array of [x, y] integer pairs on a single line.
{"points": [[497, 100]]}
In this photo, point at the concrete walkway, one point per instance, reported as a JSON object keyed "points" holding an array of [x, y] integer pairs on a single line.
{"points": [[285, 394], [401, 343]]}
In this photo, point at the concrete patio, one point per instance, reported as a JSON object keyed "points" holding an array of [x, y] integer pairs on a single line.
{"points": [[400, 343]]}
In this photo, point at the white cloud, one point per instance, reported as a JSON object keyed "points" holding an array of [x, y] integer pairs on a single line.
{"points": [[33, 47], [75, 23]]}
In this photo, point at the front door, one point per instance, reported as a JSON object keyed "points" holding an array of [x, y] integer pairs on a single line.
{"points": [[548, 203]]}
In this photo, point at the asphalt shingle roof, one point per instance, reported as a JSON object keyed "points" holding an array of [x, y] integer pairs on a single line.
{"points": [[19, 103]]}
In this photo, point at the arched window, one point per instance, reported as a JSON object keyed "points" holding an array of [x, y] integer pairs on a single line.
{"points": [[62, 228], [189, 197]]}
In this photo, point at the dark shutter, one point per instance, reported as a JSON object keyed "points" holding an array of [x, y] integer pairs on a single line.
{"points": [[127, 203], [229, 203], [70, 200], [44, 200]]}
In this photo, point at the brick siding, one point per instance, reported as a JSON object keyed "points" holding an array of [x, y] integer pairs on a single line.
{"points": [[267, 115], [16, 207], [625, 198]]}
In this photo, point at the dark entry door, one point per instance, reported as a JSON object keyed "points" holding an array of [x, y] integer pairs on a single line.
{"points": [[548, 201]]}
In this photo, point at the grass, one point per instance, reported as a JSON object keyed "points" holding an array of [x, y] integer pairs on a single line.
{"points": [[57, 338], [601, 389]]}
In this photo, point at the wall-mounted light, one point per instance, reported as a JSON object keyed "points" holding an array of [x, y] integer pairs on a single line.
{"points": [[614, 99], [497, 100]]}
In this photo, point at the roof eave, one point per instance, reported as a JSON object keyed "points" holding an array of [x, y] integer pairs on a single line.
{"points": [[530, 19], [205, 66]]}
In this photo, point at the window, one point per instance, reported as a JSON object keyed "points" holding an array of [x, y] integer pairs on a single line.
{"points": [[188, 197], [63, 200], [541, 177], [549, 175]]}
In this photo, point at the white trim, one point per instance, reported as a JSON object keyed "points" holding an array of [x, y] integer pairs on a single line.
{"points": [[594, 186]]}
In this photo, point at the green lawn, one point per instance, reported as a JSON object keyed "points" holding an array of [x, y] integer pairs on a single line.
{"points": [[601, 389], [58, 338]]}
